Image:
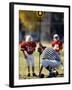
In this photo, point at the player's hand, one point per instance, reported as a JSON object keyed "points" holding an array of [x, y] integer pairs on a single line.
{"points": [[25, 54], [22, 49], [41, 75]]}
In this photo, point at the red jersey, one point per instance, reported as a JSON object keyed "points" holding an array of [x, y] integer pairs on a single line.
{"points": [[29, 47], [57, 45]]}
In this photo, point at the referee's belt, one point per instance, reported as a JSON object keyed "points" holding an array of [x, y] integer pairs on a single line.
{"points": [[48, 59], [45, 58]]}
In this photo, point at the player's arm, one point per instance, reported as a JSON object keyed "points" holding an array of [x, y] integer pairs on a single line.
{"points": [[41, 48], [52, 43], [23, 49], [33, 45], [25, 54], [61, 45], [22, 46]]}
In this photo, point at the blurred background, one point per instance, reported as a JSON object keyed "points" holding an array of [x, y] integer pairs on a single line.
{"points": [[41, 27]]}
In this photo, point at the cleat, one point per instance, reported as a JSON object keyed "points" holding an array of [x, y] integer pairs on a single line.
{"points": [[53, 74], [28, 75], [34, 75]]}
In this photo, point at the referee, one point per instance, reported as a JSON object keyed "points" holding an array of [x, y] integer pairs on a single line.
{"points": [[50, 60]]}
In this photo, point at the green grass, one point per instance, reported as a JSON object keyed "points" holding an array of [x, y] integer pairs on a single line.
{"points": [[23, 66]]}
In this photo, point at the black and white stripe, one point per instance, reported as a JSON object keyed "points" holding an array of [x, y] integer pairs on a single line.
{"points": [[51, 54]]}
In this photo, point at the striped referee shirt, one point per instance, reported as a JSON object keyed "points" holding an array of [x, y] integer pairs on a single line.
{"points": [[51, 54]]}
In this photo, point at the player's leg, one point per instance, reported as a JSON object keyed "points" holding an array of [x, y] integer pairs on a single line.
{"points": [[33, 65], [51, 65], [43, 64], [54, 64], [28, 64], [28, 71]]}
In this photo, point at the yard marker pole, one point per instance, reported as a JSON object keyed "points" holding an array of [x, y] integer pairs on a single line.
{"points": [[40, 14]]}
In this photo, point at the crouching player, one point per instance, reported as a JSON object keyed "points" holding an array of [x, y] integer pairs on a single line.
{"points": [[28, 47], [50, 60]]}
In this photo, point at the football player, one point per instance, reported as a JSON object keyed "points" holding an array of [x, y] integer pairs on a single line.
{"points": [[56, 43], [28, 47]]}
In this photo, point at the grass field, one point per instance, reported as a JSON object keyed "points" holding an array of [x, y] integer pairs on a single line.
{"points": [[23, 66]]}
